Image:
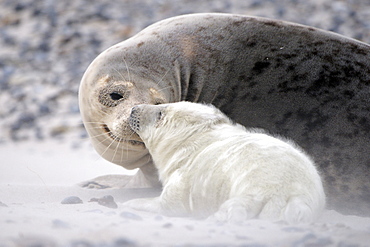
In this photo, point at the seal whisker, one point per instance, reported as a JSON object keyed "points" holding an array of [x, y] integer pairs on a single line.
{"points": [[123, 78], [128, 71], [98, 135], [95, 125], [107, 148], [128, 128], [165, 88], [127, 151], [127, 68], [98, 127], [141, 94], [161, 80], [94, 122], [103, 112], [118, 140]]}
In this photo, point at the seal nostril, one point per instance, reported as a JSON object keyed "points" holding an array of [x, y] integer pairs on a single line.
{"points": [[133, 121], [134, 110]]}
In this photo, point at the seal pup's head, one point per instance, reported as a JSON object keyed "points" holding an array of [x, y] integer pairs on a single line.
{"points": [[172, 123]]}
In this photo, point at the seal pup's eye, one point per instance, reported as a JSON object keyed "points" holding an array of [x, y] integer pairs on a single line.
{"points": [[116, 96]]}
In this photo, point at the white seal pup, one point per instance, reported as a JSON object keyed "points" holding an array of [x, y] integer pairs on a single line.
{"points": [[210, 166], [309, 85]]}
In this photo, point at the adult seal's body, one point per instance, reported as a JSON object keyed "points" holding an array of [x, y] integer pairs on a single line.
{"points": [[310, 85]]}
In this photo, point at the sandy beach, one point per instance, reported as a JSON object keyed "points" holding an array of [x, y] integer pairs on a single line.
{"points": [[37, 177]]}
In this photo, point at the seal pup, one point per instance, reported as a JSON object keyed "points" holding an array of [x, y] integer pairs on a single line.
{"points": [[301, 82], [210, 166]]}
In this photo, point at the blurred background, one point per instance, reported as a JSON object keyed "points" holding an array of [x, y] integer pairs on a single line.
{"points": [[46, 45]]}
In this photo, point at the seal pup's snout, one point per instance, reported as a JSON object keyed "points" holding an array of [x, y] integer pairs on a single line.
{"points": [[134, 120]]}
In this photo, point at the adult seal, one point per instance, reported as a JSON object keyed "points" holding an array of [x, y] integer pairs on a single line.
{"points": [[310, 85]]}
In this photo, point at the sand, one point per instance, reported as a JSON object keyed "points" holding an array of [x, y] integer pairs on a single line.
{"points": [[37, 176]]}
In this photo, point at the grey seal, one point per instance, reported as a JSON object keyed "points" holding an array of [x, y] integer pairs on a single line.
{"points": [[310, 85], [211, 167]]}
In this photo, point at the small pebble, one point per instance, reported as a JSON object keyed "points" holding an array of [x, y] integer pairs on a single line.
{"points": [[189, 227], [71, 200], [341, 225], [311, 239], [131, 216], [168, 225], [158, 217], [60, 224], [94, 185], [124, 242], [241, 237], [81, 243], [106, 201], [293, 229]]}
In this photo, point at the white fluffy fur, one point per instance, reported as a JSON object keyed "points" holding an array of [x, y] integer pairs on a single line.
{"points": [[210, 166]]}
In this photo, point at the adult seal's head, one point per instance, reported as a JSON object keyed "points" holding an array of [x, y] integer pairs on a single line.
{"points": [[109, 88]]}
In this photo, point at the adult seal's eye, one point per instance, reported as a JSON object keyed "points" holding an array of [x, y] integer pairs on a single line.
{"points": [[116, 96], [113, 95]]}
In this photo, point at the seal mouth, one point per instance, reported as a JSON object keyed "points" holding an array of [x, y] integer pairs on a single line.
{"points": [[120, 139]]}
